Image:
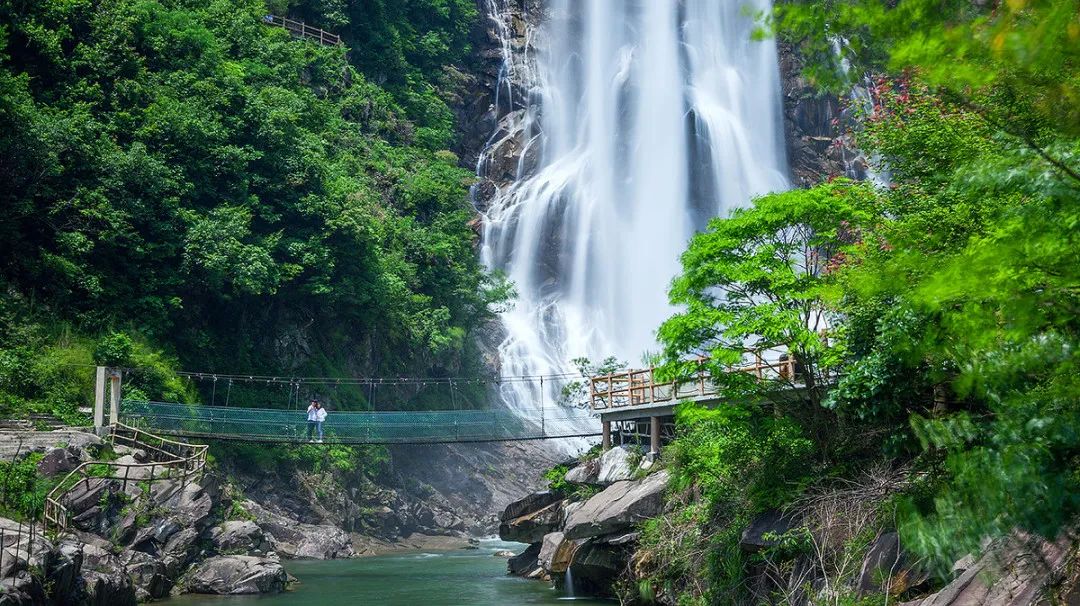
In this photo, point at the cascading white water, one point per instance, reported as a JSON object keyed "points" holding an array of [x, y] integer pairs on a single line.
{"points": [[652, 116]]}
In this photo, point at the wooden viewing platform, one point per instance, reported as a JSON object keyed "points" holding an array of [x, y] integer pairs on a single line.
{"points": [[303, 30], [639, 388], [632, 395]]}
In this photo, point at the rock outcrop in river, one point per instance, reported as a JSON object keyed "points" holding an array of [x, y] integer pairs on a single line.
{"points": [[589, 532]]}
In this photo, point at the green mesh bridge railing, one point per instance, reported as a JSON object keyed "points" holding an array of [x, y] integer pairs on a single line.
{"points": [[397, 427]]}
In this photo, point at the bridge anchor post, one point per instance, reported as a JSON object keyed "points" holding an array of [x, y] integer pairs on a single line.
{"points": [[114, 396], [99, 401], [605, 441]]}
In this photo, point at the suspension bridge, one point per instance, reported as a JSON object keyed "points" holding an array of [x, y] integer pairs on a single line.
{"points": [[618, 402], [380, 427], [409, 424]]}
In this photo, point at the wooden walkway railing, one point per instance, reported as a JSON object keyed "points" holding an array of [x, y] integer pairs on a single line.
{"points": [[170, 460], [303, 30], [639, 387]]}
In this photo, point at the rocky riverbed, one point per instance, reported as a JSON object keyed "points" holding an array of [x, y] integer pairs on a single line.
{"points": [[228, 531]]}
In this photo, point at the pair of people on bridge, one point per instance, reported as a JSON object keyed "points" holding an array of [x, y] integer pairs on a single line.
{"points": [[316, 414]]}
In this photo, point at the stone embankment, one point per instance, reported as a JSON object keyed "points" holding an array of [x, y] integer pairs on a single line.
{"points": [[587, 534]]}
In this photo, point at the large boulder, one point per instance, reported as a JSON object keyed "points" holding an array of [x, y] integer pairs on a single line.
{"points": [[61, 566], [588, 472], [764, 530], [887, 568], [528, 504], [614, 466], [531, 527], [236, 536], [148, 575], [107, 588], [21, 589], [59, 461], [556, 553], [1013, 572], [618, 507], [188, 503], [179, 550], [524, 563], [236, 575], [299, 540], [595, 566]]}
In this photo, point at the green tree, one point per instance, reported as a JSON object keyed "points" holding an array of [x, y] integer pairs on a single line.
{"points": [[758, 280]]}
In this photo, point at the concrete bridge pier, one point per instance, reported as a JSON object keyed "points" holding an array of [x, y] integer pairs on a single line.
{"points": [[107, 384]]}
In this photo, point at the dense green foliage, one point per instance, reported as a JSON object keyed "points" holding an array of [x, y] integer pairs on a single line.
{"points": [[240, 199], [952, 297], [754, 282]]}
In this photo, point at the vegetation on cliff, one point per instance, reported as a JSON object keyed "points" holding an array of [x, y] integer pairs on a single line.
{"points": [[228, 198], [950, 298]]}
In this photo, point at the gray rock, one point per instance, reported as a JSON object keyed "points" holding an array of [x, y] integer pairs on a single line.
{"points": [[549, 550], [618, 507], [614, 466], [12, 562], [108, 588], [447, 520], [595, 566], [886, 567], [189, 503], [528, 504], [236, 536], [62, 567], [587, 472], [59, 461], [767, 524], [178, 551], [532, 527], [22, 589], [525, 562], [148, 575], [293, 539], [236, 575], [1013, 572], [26, 442]]}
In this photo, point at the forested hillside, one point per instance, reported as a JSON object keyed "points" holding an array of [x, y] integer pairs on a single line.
{"points": [[186, 186]]}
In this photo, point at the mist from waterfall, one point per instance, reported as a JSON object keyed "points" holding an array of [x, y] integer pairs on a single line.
{"points": [[651, 117]]}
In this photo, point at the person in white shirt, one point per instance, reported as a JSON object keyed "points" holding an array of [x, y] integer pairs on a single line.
{"points": [[312, 420], [320, 416]]}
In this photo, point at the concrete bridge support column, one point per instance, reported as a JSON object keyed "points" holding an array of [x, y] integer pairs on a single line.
{"points": [[99, 400], [605, 441], [654, 436], [114, 396]]}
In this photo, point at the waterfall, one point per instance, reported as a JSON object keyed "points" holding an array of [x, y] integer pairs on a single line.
{"points": [[648, 117]]}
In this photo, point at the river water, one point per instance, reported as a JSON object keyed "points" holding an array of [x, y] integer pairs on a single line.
{"points": [[472, 577]]}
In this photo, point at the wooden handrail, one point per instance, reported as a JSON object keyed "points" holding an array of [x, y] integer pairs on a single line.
{"points": [[303, 30], [636, 387], [56, 514]]}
